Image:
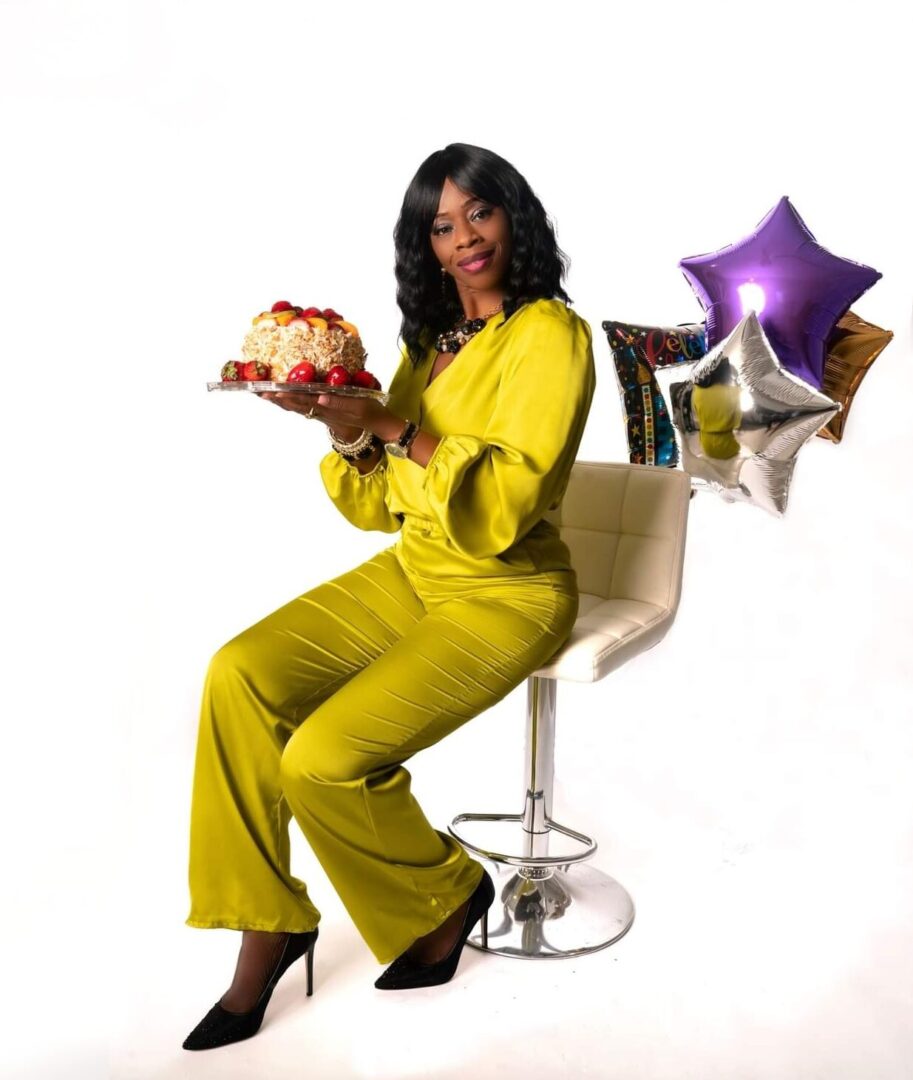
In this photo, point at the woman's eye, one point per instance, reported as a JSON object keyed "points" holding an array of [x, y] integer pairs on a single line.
{"points": [[483, 211]]}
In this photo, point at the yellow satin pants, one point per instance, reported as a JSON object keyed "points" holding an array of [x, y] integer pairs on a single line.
{"points": [[311, 713]]}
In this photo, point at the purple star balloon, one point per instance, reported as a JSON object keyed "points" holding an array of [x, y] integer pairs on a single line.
{"points": [[797, 288]]}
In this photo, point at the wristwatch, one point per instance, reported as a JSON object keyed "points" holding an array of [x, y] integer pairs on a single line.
{"points": [[400, 448]]}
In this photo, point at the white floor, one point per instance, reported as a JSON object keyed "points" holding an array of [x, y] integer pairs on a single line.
{"points": [[772, 937]]}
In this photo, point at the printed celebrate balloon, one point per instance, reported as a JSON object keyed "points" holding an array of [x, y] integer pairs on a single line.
{"points": [[637, 352]]}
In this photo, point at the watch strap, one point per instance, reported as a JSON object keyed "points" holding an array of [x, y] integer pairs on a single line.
{"points": [[408, 436]]}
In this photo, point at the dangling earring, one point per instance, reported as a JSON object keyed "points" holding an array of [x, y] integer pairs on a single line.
{"points": [[443, 282]]}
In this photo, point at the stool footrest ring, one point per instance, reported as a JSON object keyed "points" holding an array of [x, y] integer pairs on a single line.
{"points": [[536, 840]]}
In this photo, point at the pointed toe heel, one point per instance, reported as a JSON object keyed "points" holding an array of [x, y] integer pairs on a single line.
{"points": [[406, 974], [220, 1027]]}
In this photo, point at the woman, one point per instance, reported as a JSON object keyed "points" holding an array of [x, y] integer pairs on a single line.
{"points": [[716, 401], [312, 711]]}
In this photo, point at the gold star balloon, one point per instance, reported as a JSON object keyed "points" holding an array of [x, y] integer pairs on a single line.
{"points": [[852, 348]]}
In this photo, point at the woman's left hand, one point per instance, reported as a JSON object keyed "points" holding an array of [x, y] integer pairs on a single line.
{"points": [[340, 411]]}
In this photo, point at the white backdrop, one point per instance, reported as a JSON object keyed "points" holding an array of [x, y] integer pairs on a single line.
{"points": [[173, 168]]}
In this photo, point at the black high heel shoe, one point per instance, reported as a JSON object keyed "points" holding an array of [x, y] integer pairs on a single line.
{"points": [[405, 973], [219, 1026]]}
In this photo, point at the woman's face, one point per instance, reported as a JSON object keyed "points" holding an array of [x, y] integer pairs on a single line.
{"points": [[471, 239]]}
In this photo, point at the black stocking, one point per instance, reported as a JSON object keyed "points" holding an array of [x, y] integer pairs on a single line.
{"points": [[259, 956]]}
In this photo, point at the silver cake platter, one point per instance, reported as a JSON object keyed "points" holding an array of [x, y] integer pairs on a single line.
{"points": [[259, 385]]}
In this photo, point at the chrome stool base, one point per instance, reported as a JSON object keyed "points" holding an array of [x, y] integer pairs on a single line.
{"points": [[549, 906], [576, 910], [547, 903]]}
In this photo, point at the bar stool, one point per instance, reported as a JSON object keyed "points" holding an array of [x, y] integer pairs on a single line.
{"points": [[625, 526]]}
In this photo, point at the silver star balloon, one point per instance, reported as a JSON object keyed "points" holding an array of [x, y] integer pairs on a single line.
{"points": [[741, 419]]}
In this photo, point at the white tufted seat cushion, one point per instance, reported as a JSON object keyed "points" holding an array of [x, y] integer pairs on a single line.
{"points": [[625, 526]]}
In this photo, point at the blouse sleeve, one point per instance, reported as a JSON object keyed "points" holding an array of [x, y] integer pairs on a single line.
{"points": [[488, 492], [360, 498]]}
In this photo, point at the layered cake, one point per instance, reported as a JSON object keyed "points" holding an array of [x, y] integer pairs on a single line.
{"points": [[293, 344]]}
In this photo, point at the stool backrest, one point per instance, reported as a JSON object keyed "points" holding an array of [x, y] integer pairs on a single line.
{"points": [[625, 526]]}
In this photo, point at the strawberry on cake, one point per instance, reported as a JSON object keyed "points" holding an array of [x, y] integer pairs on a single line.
{"points": [[294, 344]]}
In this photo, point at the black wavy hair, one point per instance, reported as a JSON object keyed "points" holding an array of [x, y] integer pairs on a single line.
{"points": [[537, 264], [721, 373]]}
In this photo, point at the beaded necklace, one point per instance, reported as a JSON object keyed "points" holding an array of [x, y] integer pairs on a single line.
{"points": [[451, 341]]}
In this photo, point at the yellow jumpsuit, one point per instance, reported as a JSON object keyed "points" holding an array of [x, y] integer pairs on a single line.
{"points": [[719, 414], [312, 711]]}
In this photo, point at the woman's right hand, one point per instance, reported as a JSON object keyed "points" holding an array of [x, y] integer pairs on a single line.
{"points": [[347, 416], [299, 403]]}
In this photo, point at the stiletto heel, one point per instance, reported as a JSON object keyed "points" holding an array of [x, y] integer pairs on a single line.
{"points": [[310, 967], [220, 1027], [405, 973]]}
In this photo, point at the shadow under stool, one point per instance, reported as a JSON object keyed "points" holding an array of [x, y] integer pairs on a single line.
{"points": [[625, 526]]}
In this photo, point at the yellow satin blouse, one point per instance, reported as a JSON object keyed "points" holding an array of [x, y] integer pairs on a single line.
{"points": [[718, 414], [510, 410]]}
